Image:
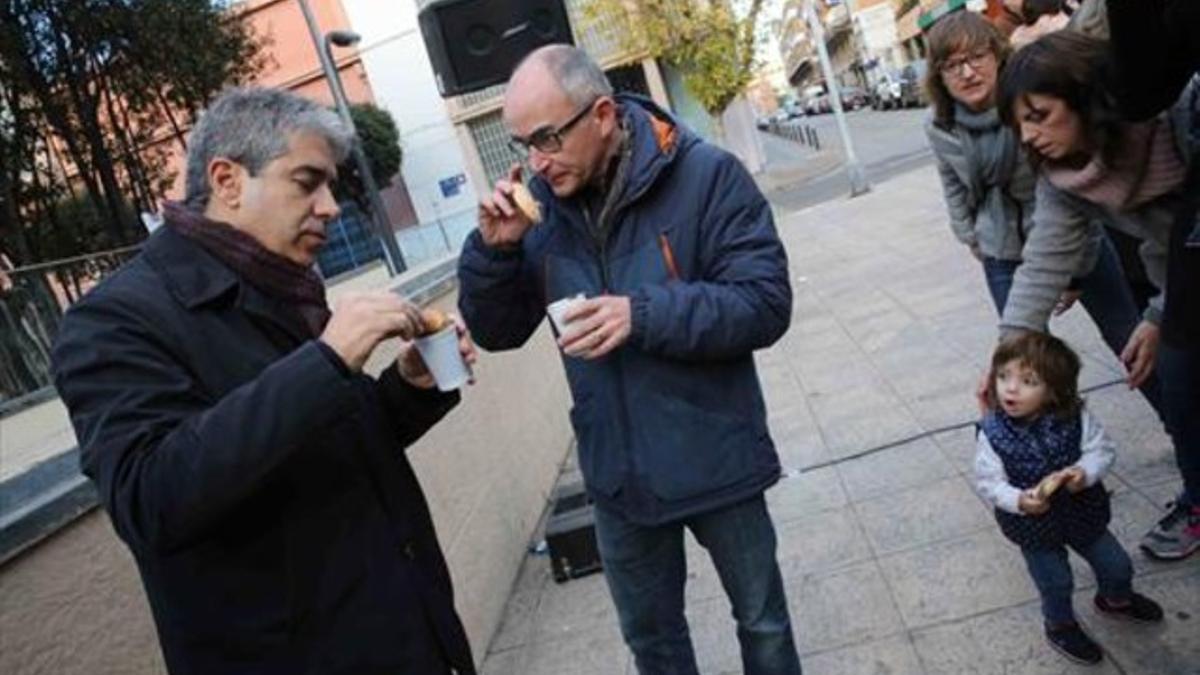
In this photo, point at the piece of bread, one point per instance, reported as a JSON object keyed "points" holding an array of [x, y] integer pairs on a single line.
{"points": [[1049, 485], [525, 203], [433, 320]]}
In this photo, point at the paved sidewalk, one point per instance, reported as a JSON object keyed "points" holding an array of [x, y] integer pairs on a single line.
{"points": [[892, 564], [790, 163]]}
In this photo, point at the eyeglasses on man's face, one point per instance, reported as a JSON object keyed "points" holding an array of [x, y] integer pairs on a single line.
{"points": [[976, 60], [548, 139]]}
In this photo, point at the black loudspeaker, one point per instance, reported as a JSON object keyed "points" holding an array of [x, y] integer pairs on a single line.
{"points": [[571, 534], [474, 44]]}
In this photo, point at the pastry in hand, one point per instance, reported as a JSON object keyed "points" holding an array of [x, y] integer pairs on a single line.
{"points": [[1048, 485], [525, 203], [433, 320]]}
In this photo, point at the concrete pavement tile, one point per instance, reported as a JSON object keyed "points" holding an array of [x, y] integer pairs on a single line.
{"points": [[841, 608], [598, 652], [1098, 368], [829, 372], [958, 578], [1132, 517], [714, 637], [933, 512], [928, 300], [805, 494], [890, 656], [802, 450], [920, 362], [953, 405], [1160, 494], [1145, 454], [887, 471], [821, 541], [1169, 648], [516, 628], [1008, 641], [508, 662], [858, 418], [959, 447], [972, 333], [579, 606]]}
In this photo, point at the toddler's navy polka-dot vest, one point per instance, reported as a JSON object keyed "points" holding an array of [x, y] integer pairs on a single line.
{"points": [[1031, 451]]}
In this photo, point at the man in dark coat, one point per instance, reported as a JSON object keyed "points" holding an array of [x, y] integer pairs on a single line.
{"points": [[257, 475], [676, 251]]}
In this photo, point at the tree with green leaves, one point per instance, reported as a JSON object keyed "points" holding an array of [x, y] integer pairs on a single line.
{"points": [[380, 140], [89, 90], [707, 40]]}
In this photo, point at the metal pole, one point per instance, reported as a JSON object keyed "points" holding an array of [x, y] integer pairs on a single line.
{"points": [[858, 179], [383, 229]]}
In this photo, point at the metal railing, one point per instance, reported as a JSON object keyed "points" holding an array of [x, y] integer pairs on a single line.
{"points": [[32, 300], [34, 297]]}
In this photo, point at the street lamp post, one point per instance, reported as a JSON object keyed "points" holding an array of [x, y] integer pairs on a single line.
{"points": [[391, 249], [858, 179]]}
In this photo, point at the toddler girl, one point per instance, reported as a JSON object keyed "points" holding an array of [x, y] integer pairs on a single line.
{"points": [[1039, 460]]}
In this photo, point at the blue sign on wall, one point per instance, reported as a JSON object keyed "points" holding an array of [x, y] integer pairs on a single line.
{"points": [[452, 186]]}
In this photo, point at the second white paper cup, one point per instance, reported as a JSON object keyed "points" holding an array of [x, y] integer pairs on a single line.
{"points": [[558, 309], [442, 358]]}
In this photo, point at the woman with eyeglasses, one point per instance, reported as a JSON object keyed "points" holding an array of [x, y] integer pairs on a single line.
{"points": [[988, 182], [1141, 177]]}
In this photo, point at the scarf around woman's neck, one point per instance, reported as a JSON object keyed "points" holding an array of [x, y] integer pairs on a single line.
{"points": [[989, 145], [298, 286], [1147, 165]]}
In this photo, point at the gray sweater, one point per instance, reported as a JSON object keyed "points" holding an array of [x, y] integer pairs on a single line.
{"points": [[1058, 243], [986, 181]]}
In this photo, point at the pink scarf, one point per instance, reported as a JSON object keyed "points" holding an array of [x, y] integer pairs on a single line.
{"points": [[1147, 166]]}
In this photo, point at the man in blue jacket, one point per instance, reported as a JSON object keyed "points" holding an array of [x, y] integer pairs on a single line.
{"points": [[255, 472], [676, 250]]}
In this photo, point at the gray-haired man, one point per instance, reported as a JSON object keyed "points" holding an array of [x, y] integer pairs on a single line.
{"points": [[257, 475]]}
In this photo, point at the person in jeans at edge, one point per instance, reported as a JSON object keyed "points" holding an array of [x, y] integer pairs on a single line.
{"points": [[1142, 177], [685, 277], [253, 469]]}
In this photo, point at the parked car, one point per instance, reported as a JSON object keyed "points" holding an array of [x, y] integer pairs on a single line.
{"points": [[854, 98], [888, 94]]}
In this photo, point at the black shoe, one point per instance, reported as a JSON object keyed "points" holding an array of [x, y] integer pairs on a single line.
{"points": [[1073, 643], [1140, 608]]}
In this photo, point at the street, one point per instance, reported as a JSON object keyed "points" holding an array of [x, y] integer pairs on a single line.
{"points": [[887, 143]]}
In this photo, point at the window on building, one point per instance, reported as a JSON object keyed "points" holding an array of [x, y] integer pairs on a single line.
{"points": [[491, 140]]}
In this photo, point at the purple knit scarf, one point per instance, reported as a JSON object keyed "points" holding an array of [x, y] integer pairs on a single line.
{"points": [[298, 286]]}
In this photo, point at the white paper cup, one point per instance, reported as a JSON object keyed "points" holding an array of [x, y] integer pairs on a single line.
{"points": [[442, 358], [558, 309]]}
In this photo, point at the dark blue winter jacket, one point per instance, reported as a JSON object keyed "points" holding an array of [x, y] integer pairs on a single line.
{"points": [[672, 423]]}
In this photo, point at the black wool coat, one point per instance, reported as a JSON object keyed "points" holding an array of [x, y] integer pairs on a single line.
{"points": [[262, 487]]}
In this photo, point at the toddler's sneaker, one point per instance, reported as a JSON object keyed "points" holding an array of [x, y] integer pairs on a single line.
{"points": [[1073, 643], [1139, 608], [1176, 536]]}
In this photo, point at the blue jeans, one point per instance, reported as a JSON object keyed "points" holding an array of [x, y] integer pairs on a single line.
{"points": [[1179, 371], [1104, 294], [646, 569], [1052, 575]]}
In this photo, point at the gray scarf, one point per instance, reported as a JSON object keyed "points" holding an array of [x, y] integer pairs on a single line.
{"points": [[988, 146]]}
